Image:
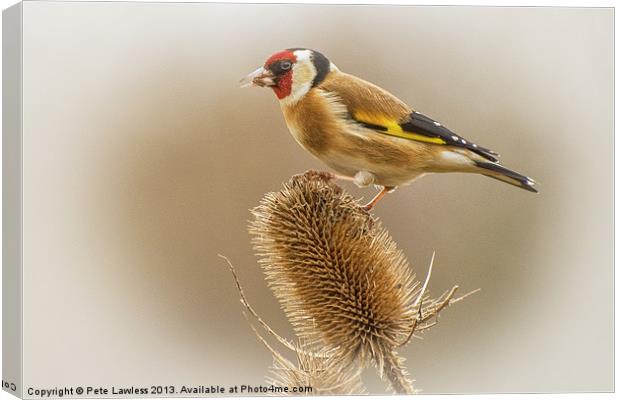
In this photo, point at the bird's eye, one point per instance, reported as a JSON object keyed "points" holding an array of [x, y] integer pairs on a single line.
{"points": [[286, 65]]}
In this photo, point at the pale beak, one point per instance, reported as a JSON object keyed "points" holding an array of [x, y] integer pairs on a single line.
{"points": [[261, 77]]}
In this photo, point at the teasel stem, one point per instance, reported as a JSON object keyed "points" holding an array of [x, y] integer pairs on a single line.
{"points": [[395, 373]]}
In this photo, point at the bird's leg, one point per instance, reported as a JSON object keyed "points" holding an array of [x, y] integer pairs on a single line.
{"points": [[341, 177], [361, 178], [375, 200]]}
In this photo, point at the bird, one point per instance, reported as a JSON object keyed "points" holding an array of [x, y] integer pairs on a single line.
{"points": [[363, 132]]}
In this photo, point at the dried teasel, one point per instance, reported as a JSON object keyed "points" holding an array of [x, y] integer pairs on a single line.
{"points": [[321, 372], [342, 282]]}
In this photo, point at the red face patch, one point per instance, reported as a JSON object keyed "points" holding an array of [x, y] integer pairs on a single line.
{"points": [[284, 78], [284, 86]]}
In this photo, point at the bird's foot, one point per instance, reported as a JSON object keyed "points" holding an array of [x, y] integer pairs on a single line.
{"points": [[367, 207], [371, 204]]}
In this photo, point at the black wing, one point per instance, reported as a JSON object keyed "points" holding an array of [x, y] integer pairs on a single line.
{"points": [[422, 125]]}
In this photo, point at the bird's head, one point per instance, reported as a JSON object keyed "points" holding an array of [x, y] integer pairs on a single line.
{"points": [[291, 73]]}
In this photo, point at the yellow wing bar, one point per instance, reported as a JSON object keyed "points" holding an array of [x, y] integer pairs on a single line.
{"points": [[392, 128]]}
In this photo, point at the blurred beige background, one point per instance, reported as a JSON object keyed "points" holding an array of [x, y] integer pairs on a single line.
{"points": [[142, 158]]}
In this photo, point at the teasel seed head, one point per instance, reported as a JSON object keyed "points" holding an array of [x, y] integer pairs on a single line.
{"points": [[338, 275], [340, 278]]}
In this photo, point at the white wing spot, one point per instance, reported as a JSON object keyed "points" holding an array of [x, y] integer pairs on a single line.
{"points": [[436, 123], [463, 141], [475, 145], [455, 138]]}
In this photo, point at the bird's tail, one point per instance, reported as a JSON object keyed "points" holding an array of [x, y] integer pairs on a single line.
{"points": [[504, 174]]}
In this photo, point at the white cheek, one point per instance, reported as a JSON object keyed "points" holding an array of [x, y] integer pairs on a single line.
{"points": [[299, 88], [303, 75]]}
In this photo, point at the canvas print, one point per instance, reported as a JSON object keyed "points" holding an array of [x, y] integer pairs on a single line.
{"points": [[205, 200]]}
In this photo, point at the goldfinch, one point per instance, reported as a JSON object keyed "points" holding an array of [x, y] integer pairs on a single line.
{"points": [[366, 134]]}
